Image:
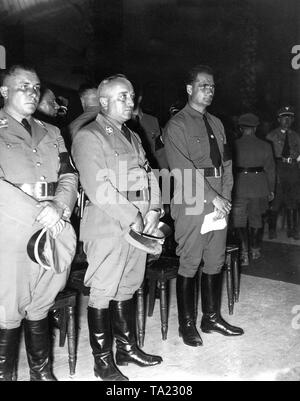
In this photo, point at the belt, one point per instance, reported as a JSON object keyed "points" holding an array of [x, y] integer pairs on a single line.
{"points": [[139, 195], [246, 170], [212, 172], [288, 160], [39, 189]]}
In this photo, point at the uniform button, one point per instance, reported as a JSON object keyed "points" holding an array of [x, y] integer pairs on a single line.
{"points": [[116, 154], [55, 145], [8, 146], [34, 150], [38, 164], [42, 178], [198, 140]]}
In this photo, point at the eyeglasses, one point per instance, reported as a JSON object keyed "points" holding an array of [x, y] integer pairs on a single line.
{"points": [[206, 87]]}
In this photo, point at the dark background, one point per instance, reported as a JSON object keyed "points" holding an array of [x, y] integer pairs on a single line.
{"points": [[247, 42]]}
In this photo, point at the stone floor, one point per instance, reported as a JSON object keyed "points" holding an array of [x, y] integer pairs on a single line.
{"points": [[269, 312]]}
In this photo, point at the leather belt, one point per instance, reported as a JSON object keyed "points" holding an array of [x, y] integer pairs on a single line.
{"points": [[288, 160], [212, 172], [246, 170], [138, 195], [39, 189]]}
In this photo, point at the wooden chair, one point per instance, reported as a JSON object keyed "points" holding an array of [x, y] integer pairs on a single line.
{"points": [[164, 269], [65, 304]]}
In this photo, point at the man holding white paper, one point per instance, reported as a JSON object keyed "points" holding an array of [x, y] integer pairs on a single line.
{"points": [[195, 141]]}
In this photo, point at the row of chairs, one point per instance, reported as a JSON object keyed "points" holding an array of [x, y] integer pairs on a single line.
{"points": [[157, 278]]}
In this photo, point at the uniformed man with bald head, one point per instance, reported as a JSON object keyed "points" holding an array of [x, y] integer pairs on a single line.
{"points": [[116, 177], [38, 187]]}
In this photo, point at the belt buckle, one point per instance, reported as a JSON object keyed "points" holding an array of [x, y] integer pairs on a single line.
{"points": [[41, 189], [145, 192], [289, 160], [217, 172]]}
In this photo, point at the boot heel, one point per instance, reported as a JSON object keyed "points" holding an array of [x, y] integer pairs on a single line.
{"points": [[121, 363]]}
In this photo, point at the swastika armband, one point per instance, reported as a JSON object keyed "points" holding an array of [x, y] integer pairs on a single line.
{"points": [[66, 166]]}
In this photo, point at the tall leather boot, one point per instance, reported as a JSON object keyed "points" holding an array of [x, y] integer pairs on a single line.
{"points": [[38, 349], [101, 342], [9, 345], [211, 286], [186, 297], [272, 224], [295, 219], [289, 223], [243, 237], [255, 237], [124, 329]]}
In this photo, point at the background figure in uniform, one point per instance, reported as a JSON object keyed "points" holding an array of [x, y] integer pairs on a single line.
{"points": [[89, 99], [35, 167], [114, 174], [194, 139], [148, 128], [254, 183], [286, 148]]}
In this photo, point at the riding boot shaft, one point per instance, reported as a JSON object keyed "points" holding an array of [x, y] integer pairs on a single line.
{"points": [[9, 346], [187, 310], [38, 349], [124, 330], [101, 341], [211, 287]]}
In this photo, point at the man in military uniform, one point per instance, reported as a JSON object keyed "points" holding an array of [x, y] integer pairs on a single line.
{"points": [[114, 174], [286, 148], [254, 183], [195, 142], [89, 99], [35, 166], [147, 126]]}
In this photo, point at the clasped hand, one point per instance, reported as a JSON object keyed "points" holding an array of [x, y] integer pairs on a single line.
{"points": [[148, 225], [49, 215], [222, 206]]}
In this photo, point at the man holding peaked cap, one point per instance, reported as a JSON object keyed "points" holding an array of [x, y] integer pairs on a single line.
{"points": [[253, 185], [38, 190], [124, 203], [286, 148]]}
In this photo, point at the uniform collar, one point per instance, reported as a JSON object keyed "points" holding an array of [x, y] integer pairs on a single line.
{"points": [[195, 113]]}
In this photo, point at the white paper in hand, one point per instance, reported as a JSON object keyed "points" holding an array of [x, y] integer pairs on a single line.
{"points": [[211, 223]]}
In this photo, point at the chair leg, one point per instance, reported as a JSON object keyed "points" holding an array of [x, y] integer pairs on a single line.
{"points": [[236, 277], [62, 322], [163, 309], [228, 268], [152, 292], [140, 316], [71, 338]]}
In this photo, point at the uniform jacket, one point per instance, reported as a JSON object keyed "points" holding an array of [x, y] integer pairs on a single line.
{"points": [[40, 157], [27, 159], [250, 151], [187, 147], [276, 137], [109, 165], [83, 119]]}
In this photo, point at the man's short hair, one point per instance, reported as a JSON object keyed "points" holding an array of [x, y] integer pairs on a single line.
{"points": [[85, 87], [191, 75], [108, 80], [9, 72]]}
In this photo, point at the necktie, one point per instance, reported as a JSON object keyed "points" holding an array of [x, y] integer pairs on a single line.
{"points": [[26, 125], [126, 132], [214, 148], [286, 147]]}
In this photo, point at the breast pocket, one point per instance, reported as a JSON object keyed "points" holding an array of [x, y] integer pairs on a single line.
{"points": [[198, 148], [13, 159]]}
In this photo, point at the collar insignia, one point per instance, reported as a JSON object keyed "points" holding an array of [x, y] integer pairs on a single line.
{"points": [[109, 130], [3, 122]]}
